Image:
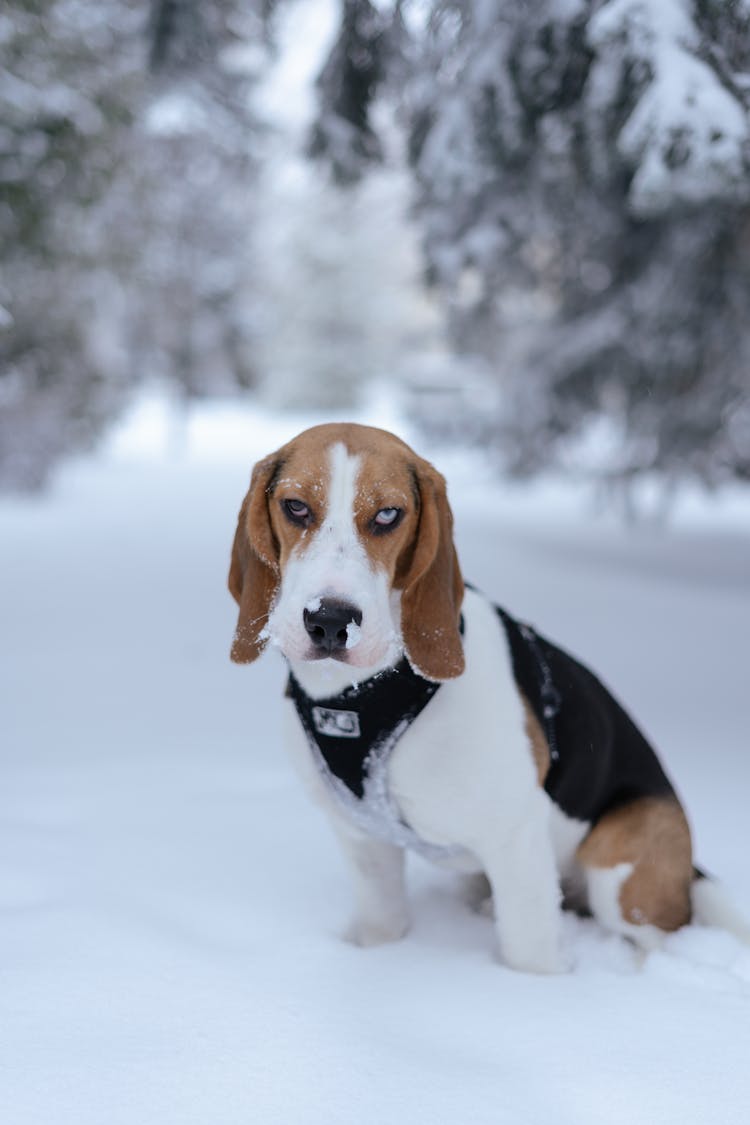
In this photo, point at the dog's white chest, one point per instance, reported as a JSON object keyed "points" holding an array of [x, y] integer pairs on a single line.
{"points": [[436, 783]]}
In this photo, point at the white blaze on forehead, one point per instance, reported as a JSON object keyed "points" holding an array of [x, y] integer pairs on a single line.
{"points": [[342, 492], [332, 561]]}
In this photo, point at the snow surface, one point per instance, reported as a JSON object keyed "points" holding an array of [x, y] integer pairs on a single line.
{"points": [[171, 903]]}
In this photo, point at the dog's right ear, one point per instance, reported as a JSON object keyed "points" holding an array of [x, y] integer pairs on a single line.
{"points": [[254, 569]]}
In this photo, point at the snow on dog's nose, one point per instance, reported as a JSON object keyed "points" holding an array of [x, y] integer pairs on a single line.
{"points": [[332, 625]]}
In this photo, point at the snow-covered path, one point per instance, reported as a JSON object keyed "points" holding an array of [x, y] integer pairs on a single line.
{"points": [[170, 903]]}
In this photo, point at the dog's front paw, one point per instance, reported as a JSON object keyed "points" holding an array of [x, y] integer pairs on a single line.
{"points": [[365, 932], [548, 962]]}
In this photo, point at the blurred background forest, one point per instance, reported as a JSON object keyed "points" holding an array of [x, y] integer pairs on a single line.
{"points": [[532, 219]]}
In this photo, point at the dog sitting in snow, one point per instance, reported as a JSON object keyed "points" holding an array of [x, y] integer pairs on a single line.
{"points": [[423, 716]]}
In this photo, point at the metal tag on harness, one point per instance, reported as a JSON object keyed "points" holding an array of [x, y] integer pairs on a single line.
{"points": [[335, 723]]}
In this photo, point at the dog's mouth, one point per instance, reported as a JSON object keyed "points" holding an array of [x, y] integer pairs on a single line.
{"points": [[358, 658], [341, 656], [330, 631]]}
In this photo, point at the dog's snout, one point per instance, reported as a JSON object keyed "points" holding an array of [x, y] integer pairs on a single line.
{"points": [[328, 625]]}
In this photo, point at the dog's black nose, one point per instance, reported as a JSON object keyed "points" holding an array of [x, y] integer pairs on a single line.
{"points": [[328, 624]]}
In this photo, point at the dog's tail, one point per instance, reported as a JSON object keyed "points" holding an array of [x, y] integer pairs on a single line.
{"points": [[713, 906]]}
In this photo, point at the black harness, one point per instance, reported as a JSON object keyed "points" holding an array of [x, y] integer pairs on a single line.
{"points": [[350, 729], [598, 757]]}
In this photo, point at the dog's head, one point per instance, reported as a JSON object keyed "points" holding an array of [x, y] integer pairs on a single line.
{"points": [[344, 551]]}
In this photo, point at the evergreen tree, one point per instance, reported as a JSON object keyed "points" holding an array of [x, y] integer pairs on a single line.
{"points": [[581, 178], [67, 83], [126, 164]]}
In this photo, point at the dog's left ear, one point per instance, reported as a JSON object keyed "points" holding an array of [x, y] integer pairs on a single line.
{"points": [[432, 586], [254, 569]]}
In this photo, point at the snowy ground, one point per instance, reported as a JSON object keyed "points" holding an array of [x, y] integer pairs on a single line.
{"points": [[170, 904]]}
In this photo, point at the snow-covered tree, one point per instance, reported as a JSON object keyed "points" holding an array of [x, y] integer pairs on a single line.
{"points": [[582, 172], [342, 301], [67, 73], [192, 184], [126, 167]]}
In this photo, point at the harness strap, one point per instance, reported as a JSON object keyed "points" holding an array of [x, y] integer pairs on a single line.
{"points": [[549, 694], [352, 736], [351, 730], [532, 674]]}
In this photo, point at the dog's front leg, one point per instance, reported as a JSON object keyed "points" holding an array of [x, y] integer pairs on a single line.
{"points": [[377, 868], [526, 895]]}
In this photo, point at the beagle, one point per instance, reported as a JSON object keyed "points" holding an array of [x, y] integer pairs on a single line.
{"points": [[422, 716]]}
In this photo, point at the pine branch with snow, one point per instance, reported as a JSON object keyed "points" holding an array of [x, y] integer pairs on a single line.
{"points": [[582, 180]]}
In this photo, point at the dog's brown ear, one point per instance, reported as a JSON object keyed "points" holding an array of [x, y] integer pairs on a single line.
{"points": [[254, 569], [432, 585]]}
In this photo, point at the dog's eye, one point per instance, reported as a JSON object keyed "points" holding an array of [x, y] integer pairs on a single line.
{"points": [[297, 511], [387, 517]]}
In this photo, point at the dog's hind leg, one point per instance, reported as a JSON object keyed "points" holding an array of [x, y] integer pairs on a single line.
{"points": [[637, 862]]}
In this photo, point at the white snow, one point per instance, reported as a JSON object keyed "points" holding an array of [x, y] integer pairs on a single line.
{"points": [[353, 634], [174, 115], [171, 903], [684, 104]]}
